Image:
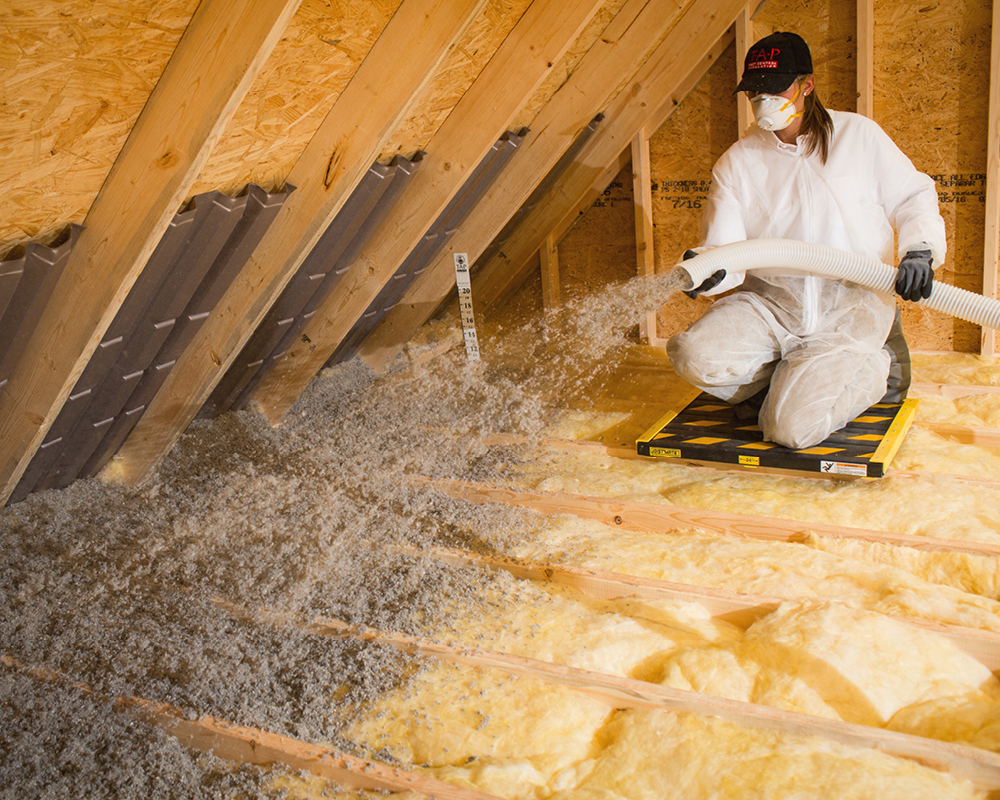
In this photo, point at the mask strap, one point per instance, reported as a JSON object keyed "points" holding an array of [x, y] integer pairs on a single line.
{"points": [[791, 101]]}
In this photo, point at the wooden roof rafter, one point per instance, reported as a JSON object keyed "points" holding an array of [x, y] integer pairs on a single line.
{"points": [[486, 110]]}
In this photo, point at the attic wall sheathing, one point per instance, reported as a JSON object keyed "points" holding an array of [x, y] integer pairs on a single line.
{"points": [[930, 87]]}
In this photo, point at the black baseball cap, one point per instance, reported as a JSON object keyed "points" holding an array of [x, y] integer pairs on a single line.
{"points": [[773, 63]]}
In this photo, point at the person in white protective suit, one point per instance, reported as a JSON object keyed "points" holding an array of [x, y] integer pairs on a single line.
{"points": [[810, 353]]}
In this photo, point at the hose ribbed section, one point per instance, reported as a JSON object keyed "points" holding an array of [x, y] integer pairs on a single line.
{"points": [[788, 255]]}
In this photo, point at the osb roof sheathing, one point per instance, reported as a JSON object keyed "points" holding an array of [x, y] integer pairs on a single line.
{"points": [[74, 75]]}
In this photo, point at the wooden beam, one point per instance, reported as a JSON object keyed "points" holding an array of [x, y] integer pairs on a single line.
{"points": [[654, 123], [642, 192], [664, 74], [215, 62], [613, 60], [981, 437], [377, 99], [550, 273], [744, 39], [979, 766], [524, 60], [242, 744], [952, 391], [736, 608], [866, 58], [991, 237], [657, 517]]}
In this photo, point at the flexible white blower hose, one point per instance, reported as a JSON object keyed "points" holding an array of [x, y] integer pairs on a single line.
{"points": [[788, 255]]}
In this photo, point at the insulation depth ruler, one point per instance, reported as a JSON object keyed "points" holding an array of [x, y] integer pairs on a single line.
{"points": [[464, 283]]}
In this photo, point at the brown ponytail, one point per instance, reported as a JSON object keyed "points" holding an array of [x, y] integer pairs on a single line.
{"points": [[817, 126]]}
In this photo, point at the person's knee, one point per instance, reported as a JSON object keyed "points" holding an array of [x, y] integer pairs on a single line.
{"points": [[696, 360]]}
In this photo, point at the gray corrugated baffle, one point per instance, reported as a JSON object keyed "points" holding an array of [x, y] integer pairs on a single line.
{"points": [[440, 231], [201, 251], [26, 284], [321, 270]]}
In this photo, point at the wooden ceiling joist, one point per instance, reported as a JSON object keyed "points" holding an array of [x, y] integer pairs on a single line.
{"points": [[222, 50], [650, 81], [485, 112], [242, 744], [736, 608], [979, 766], [634, 515], [991, 239], [354, 133]]}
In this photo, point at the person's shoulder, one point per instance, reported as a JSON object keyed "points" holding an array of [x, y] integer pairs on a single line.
{"points": [[857, 124], [755, 139]]}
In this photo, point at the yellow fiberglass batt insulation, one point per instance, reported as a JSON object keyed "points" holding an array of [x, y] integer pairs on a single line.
{"points": [[936, 506], [830, 660], [522, 739], [784, 570], [956, 368]]}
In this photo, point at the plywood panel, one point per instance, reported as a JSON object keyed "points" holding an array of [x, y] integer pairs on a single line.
{"points": [[564, 68], [74, 75], [830, 28], [320, 51], [600, 247], [458, 72], [932, 64]]}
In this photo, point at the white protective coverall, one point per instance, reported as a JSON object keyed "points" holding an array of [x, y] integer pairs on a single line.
{"points": [[817, 342]]}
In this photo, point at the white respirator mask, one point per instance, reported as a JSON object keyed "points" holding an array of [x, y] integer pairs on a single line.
{"points": [[774, 112]]}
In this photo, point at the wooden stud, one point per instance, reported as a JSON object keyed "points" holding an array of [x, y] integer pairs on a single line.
{"points": [[373, 104], [744, 38], [577, 100], [991, 241], [520, 65], [549, 254], [642, 191], [219, 55], [866, 58]]}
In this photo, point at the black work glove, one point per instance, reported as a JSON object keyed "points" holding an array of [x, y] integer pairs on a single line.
{"points": [[914, 275], [710, 282]]}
